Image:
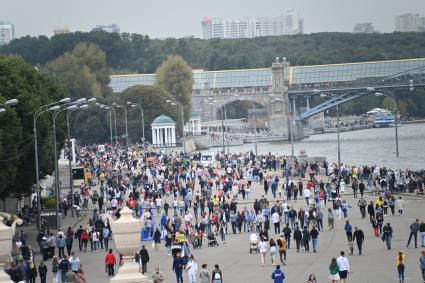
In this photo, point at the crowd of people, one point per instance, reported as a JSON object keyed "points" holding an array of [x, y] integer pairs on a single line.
{"points": [[183, 204]]}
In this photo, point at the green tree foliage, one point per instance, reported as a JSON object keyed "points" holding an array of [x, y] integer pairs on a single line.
{"points": [[153, 100], [176, 77], [83, 71], [32, 89], [141, 54]]}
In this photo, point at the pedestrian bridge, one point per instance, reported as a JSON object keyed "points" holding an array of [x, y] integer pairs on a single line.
{"points": [[279, 87]]}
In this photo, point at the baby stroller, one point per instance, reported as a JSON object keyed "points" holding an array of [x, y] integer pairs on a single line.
{"points": [[253, 243], [212, 241]]}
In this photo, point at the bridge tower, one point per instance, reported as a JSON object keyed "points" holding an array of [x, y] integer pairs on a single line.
{"points": [[279, 112]]}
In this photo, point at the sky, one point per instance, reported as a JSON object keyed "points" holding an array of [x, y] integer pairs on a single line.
{"points": [[172, 18]]}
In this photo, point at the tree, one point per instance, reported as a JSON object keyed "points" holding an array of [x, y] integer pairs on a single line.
{"points": [[153, 100], [176, 77], [33, 89], [83, 72]]}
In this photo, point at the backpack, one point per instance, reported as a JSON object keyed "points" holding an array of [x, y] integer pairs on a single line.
{"points": [[55, 268], [217, 276]]}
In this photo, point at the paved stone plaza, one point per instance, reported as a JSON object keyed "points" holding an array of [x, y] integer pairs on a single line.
{"points": [[377, 264]]}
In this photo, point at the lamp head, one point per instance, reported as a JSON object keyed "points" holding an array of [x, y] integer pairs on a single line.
{"points": [[322, 95], [370, 89], [93, 99], [81, 100], [105, 107], [72, 107], [2, 110], [11, 102], [55, 108], [129, 103], [168, 101], [84, 106], [316, 90], [379, 94], [65, 100]]}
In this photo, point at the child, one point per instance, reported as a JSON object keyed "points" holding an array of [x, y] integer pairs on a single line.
{"points": [[351, 246]]}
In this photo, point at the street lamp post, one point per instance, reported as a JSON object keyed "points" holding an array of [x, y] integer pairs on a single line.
{"points": [[143, 119], [37, 114], [175, 103], [70, 157], [392, 97], [337, 133], [323, 95], [255, 130], [56, 111]]}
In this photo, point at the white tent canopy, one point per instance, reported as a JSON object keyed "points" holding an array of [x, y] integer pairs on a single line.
{"points": [[377, 111]]}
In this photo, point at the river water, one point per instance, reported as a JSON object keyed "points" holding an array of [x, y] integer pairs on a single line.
{"points": [[370, 146]]}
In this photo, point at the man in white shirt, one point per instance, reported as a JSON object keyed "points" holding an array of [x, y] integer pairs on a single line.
{"points": [[192, 269], [307, 194], [344, 267], [276, 222]]}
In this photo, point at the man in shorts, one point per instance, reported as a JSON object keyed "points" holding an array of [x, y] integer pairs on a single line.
{"points": [[344, 267]]}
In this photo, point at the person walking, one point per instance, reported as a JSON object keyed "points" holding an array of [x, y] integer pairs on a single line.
{"points": [[191, 269], [217, 275], [110, 262], [281, 243], [400, 266], [388, 234], [178, 266], [314, 238], [55, 270], [278, 276], [399, 203], [331, 219], [348, 231], [422, 265], [63, 268], [334, 271], [42, 271], [362, 204], [262, 247], [273, 251], [414, 229], [344, 267], [297, 237], [204, 274], [276, 222], [158, 276], [306, 239], [358, 236], [144, 258], [422, 231]]}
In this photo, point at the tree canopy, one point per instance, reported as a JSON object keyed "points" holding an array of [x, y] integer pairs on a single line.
{"points": [[21, 81], [176, 77]]}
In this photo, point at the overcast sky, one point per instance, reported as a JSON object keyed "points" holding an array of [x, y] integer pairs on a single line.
{"points": [[172, 18]]}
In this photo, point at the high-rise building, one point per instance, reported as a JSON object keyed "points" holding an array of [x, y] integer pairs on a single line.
{"points": [[114, 28], [364, 28], [7, 32], [61, 30], [286, 24], [410, 23]]}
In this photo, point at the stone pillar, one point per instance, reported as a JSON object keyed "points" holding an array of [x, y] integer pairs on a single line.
{"points": [[308, 102], [166, 136], [158, 136], [173, 135], [199, 127], [153, 136]]}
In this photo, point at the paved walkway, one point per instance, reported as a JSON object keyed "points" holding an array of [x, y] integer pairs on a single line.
{"points": [[377, 264]]}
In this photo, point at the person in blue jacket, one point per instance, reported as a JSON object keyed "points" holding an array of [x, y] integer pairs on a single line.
{"points": [[278, 275]]}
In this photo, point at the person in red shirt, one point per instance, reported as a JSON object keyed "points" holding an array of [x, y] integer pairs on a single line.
{"points": [[110, 261]]}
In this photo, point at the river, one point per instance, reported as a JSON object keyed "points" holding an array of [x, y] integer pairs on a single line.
{"points": [[370, 146]]}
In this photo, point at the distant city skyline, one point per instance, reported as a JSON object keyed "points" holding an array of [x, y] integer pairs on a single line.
{"points": [[167, 18]]}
